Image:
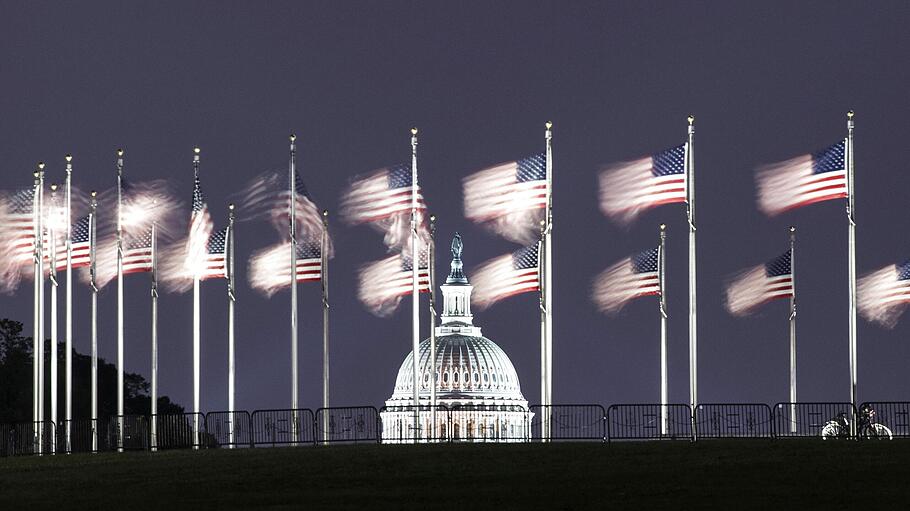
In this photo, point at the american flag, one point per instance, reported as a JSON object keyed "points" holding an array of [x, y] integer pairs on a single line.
{"points": [[630, 278], [628, 189], [201, 227], [883, 295], [19, 229], [81, 245], [270, 267], [383, 283], [507, 275], [216, 256], [137, 252], [506, 188], [803, 180], [266, 197], [763, 283], [382, 194]]}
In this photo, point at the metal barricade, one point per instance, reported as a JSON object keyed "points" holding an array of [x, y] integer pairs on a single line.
{"points": [[649, 422], [355, 424], [569, 422], [895, 415], [407, 424], [84, 435], [733, 420], [178, 431], [27, 438], [127, 432], [282, 427], [810, 419], [229, 429], [489, 423]]}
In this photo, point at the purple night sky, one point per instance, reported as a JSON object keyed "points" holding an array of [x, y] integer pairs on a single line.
{"points": [[766, 81]]}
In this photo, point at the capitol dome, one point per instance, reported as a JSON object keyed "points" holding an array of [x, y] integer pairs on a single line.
{"points": [[478, 395]]}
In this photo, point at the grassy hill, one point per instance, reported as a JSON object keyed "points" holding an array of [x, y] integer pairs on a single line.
{"points": [[807, 474]]}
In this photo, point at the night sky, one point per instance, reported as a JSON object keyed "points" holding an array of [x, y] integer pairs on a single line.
{"points": [[766, 81]]}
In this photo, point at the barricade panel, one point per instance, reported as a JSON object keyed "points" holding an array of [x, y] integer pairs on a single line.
{"points": [[895, 415], [649, 422], [27, 438], [569, 422], [282, 427], [178, 431], [793, 420], [127, 432], [229, 429], [733, 420], [433, 424], [80, 435], [347, 424], [489, 423]]}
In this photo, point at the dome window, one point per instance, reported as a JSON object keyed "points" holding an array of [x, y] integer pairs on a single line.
{"points": [[456, 377], [486, 377], [476, 378]]}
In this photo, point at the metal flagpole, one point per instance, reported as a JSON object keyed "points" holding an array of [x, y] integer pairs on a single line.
{"points": [[793, 329], [120, 300], [52, 276], [541, 279], [851, 261], [415, 283], [39, 296], [431, 264], [36, 318], [548, 276], [197, 326], [693, 330], [662, 261], [93, 239], [229, 268], [69, 300], [292, 230], [324, 279], [154, 396]]}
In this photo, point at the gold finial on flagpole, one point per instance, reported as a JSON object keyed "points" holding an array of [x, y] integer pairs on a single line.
{"points": [[69, 158], [414, 131], [120, 152], [691, 119], [196, 150], [850, 114], [40, 166], [231, 206], [663, 227], [325, 213], [293, 137], [792, 229], [53, 187], [94, 194], [549, 125]]}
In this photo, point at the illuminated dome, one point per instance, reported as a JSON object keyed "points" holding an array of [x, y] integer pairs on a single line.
{"points": [[477, 388]]}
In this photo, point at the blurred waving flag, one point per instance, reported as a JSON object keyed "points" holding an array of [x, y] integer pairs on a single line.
{"points": [[883, 295], [507, 275], [201, 227], [803, 180], [510, 198], [628, 189], [216, 256], [630, 278], [380, 195], [270, 267], [137, 252], [383, 283], [18, 227], [81, 245], [763, 283], [267, 197]]}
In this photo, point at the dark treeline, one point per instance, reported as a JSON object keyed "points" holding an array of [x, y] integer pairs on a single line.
{"points": [[16, 382]]}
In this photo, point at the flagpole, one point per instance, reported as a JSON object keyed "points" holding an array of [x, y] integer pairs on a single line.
{"points": [[154, 389], [120, 300], [292, 226], [851, 261], [693, 330], [415, 283], [793, 328], [548, 276], [69, 299], [197, 326], [431, 263], [231, 299], [93, 240], [52, 276], [36, 336], [662, 258], [324, 278]]}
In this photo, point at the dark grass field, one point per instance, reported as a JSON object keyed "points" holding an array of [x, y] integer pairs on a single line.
{"points": [[765, 474]]}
